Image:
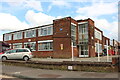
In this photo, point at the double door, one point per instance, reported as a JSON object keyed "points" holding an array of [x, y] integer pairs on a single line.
{"points": [[83, 51]]}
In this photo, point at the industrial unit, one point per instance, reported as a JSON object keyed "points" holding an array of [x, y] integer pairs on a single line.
{"points": [[55, 40]]}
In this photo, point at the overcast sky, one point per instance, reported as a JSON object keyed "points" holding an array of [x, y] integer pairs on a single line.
{"points": [[22, 14]]}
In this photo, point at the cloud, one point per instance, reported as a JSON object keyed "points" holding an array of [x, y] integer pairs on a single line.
{"points": [[98, 9], [59, 3], [33, 4], [40, 18], [95, 11], [110, 29], [10, 22], [37, 19]]}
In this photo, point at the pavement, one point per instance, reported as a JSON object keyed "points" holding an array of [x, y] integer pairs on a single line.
{"points": [[6, 77], [27, 72], [91, 59]]}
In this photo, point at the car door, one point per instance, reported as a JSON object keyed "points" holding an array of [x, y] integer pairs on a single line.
{"points": [[20, 53], [11, 54]]}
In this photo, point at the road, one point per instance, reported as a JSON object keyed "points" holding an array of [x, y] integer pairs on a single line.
{"points": [[26, 72]]}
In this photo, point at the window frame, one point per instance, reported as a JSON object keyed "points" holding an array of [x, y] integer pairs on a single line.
{"points": [[17, 45], [25, 43], [29, 32], [98, 34], [83, 31], [16, 34], [43, 42], [41, 31], [7, 37]]}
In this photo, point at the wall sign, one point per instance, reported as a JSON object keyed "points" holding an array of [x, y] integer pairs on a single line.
{"points": [[61, 46], [61, 29]]}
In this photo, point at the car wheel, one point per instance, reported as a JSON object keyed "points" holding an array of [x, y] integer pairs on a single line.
{"points": [[26, 58], [4, 58]]}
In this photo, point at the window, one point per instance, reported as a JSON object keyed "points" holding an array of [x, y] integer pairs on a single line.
{"points": [[32, 45], [30, 33], [17, 35], [44, 31], [98, 34], [96, 47], [11, 51], [7, 37], [84, 50], [45, 45], [83, 33], [22, 50], [73, 33], [17, 45]]}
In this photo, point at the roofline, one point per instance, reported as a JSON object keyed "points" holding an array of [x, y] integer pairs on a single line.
{"points": [[84, 20], [98, 29], [106, 37], [62, 18], [28, 29]]}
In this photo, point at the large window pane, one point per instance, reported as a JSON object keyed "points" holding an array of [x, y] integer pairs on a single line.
{"points": [[83, 33], [17, 45], [30, 33], [17, 35], [98, 48], [44, 31], [8, 37], [45, 46], [73, 33], [31, 45], [98, 34]]}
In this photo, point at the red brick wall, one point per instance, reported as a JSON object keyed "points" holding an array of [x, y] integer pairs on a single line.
{"points": [[62, 37]]}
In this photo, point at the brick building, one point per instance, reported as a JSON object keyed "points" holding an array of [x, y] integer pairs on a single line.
{"points": [[55, 40]]}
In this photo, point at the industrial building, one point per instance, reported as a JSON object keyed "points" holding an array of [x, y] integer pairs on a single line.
{"points": [[55, 40]]}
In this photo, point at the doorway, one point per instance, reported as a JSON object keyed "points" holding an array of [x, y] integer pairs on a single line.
{"points": [[83, 51]]}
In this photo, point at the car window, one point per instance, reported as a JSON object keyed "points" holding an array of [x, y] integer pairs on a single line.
{"points": [[22, 50], [11, 51]]}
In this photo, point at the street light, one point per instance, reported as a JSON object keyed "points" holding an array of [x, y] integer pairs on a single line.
{"points": [[107, 52], [72, 52], [72, 49], [98, 52]]}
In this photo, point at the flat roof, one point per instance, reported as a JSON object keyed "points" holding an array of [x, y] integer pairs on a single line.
{"points": [[29, 28]]}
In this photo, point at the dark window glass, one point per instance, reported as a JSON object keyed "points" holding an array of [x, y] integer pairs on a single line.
{"points": [[22, 50], [11, 51]]}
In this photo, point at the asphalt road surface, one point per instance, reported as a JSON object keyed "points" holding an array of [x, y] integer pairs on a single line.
{"points": [[26, 72]]}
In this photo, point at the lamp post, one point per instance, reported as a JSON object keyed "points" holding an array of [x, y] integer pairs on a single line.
{"points": [[72, 52], [107, 52], [98, 52]]}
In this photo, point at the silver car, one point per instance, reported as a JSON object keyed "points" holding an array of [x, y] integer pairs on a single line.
{"points": [[20, 53]]}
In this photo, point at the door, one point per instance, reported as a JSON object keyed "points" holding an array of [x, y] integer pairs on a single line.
{"points": [[20, 53], [11, 54], [83, 51]]}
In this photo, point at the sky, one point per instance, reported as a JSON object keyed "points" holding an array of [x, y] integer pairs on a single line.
{"points": [[22, 14]]}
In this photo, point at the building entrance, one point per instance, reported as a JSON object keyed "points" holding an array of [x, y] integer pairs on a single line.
{"points": [[83, 51]]}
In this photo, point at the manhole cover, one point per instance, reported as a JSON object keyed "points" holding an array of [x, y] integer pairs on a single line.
{"points": [[49, 75]]}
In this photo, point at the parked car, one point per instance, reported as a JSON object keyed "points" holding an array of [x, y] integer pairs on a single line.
{"points": [[20, 53], [1, 53]]}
